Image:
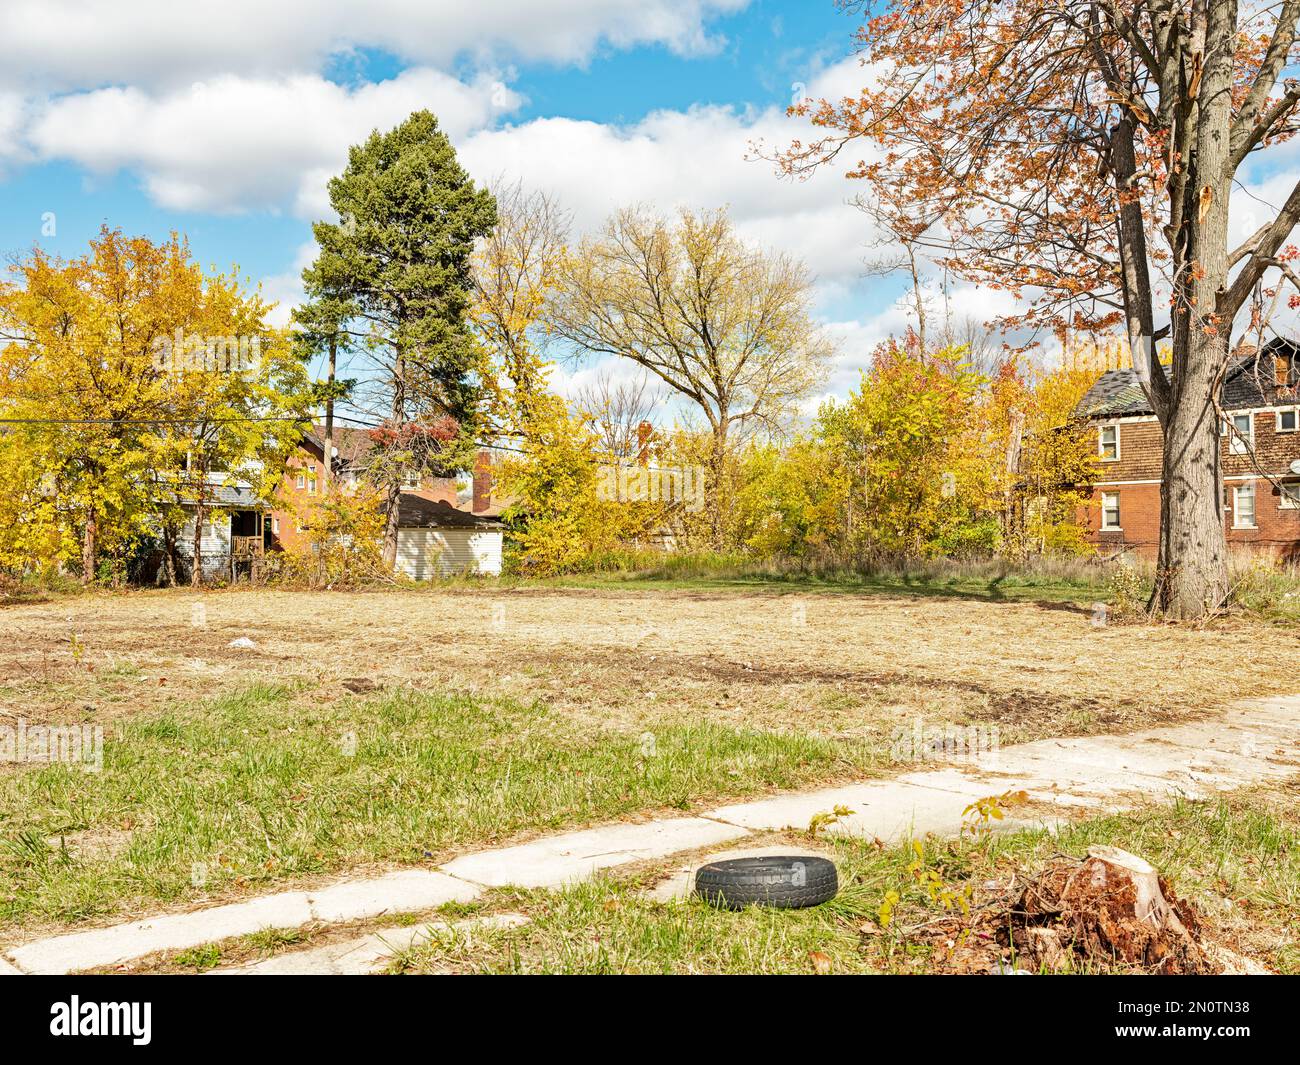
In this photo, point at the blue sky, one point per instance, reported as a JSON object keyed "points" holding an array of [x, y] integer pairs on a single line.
{"points": [[155, 117], [224, 119]]}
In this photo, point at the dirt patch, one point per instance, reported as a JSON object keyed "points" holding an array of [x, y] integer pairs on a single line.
{"points": [[836, 664]]}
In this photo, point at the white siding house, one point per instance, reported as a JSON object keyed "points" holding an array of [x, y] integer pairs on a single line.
{"points": [[435, 539], [233, 513]]}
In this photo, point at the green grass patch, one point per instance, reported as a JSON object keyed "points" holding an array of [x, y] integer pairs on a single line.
{"points": [[1237, 859], [247, 790]]}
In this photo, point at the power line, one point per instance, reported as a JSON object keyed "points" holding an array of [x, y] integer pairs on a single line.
{"points": [[142, 421]]}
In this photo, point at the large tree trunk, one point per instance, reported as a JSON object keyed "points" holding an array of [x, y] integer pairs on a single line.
{"points": [[328, 466], [1192, 580], [392, 506], [1192, 574], [393, 493], [717, 475], [167, 573]]}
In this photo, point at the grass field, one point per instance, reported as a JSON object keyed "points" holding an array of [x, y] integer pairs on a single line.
{"points": [[376, 729], [1237, 859]]}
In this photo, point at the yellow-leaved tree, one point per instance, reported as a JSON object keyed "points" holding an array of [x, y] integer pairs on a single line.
{"points": [[124, 371], [914, 472], [78, 386]]}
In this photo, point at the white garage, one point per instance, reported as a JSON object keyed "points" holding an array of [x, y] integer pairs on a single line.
{"points": [[434, 539]]}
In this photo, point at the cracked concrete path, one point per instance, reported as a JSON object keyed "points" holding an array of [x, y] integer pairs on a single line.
{"points": [[1246, 744], [365, 954]]}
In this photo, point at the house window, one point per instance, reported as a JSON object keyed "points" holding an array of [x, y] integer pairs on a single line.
{"points": [[1287, 420], [1243, 506], [1110, 511], [275, 526], [311, 480], [1108, 443], [1242, 435], [302, 481], [410, 480], [1290, 499]]}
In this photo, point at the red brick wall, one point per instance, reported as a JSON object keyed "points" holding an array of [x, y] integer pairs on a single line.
{"points": [[1277, 529], [435, 489], [291, 502], [1139, 516]]}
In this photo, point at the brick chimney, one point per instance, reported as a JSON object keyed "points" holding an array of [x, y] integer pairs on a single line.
{"points": [[644, 431], [482, 482]]}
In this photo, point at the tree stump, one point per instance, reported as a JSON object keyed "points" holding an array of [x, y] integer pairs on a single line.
{"points": [[1111, 907]]}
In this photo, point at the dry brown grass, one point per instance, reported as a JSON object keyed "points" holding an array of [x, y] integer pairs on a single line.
{"points": [[835, 664]]}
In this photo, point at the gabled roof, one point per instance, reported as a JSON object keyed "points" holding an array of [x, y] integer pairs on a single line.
{"points": [[416, 512], [352, 444], [1248, 383], [1116, 393]]}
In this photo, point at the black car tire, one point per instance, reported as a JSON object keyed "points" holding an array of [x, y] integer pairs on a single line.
{"points": [[786, 882]]}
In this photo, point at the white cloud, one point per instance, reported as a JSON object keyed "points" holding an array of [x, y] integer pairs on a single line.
{"points": [[702, 158], [285, 290], [245, 143], [12, 119], [236, 143], [56, 45]]}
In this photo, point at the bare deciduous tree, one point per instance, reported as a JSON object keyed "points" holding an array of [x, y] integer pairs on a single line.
{"points": [[517, 271], [1082, 155], [618, 408], [724, 325]]}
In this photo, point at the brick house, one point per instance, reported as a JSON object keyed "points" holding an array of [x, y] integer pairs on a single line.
{"points": [[1260, 445], [438, 532]]}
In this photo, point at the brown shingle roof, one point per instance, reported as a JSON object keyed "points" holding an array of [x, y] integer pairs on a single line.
{"points": [[352, 444], [1248, 383]]}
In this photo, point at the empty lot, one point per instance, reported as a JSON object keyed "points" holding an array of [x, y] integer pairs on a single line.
{"points": [[377, 729], [834, 663]]}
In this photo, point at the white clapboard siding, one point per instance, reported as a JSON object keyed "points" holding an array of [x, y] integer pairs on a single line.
{"points": [[423, 554], [215, 545]]}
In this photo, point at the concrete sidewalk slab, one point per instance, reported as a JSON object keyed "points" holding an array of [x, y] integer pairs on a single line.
{"points": [[405, 891], [560, 860], [887, 810], [365, 954], [179, 931]]}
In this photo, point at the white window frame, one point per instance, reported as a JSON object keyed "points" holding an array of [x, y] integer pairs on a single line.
{"points": [[1286, 501], [1277, 419], [302, 481], [1240, 443], [1101, 442], [1119, 518], [1238, 491]]}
